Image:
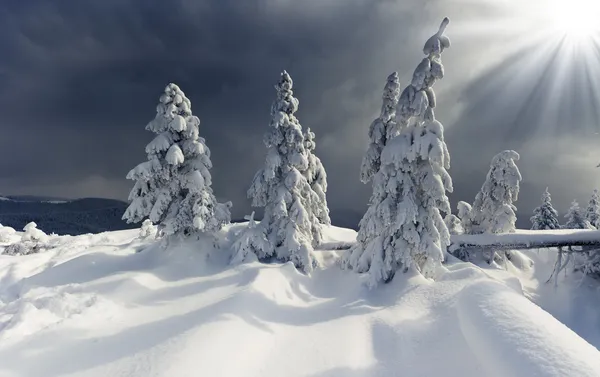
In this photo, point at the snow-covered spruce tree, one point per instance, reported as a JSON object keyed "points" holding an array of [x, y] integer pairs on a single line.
{"points": [[381, 129], [464, 214], [576, 219], [545, 216], [403, 227], [250, 240], [592, 213], [173, 188], [290, 220], [493, 209], [317, 179]]}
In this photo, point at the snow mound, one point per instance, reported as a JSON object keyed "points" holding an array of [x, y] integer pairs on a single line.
{"points": [[40, 308], [513, 337]]}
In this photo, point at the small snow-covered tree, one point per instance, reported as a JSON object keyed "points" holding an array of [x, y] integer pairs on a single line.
{"points": [[148, 229], [576, 219], [381, 129], [317, 179], [250, 240], [290, 222], [592, 213], [545, 216], [453, 224], [403, 227], [173, 188], [493, 209], [464, 214]]}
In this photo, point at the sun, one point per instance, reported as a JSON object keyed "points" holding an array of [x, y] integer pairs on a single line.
{"points": [[574, 18]]}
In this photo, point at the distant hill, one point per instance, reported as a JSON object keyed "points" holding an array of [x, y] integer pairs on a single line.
{"points": [[61, 216]]}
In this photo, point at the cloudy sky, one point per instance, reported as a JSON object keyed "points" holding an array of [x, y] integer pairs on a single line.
{"points": [[79, 80]]}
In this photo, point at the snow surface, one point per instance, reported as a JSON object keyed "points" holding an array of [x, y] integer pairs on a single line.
{"points": [[114, 304]]}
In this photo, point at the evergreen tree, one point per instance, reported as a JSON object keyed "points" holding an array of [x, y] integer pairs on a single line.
{"points": [[464, 214], [317, 179], [250, 240], [576, 219], [289, 222], [173, 188], [592, 213], [493, 210], [545, 216], [381, 129], [403, 227]]}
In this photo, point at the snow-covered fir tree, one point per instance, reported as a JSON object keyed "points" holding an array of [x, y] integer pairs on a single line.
{"points": [[173, 188], [403, 227], [575, 218], [251, 240], [291, 206], [545, 216], [464, 214], [381, 129], [592, 213], [317, 178], [493, 209], [453, 224]]}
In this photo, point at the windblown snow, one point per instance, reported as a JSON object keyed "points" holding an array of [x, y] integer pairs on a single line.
{"points": [[115, 304]]}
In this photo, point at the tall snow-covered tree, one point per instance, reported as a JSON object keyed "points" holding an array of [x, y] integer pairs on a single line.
{"points": [[290, 222], [545, 216], [403, 227], [576, 219], [317, 179], [592, 213], [173, 188], [381, 129], [493, 209]]}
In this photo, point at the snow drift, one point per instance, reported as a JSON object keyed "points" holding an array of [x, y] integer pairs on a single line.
{"points": [[115, 304]]}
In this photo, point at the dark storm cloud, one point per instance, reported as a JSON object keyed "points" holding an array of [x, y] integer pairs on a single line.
{"points": [[79, 80]]}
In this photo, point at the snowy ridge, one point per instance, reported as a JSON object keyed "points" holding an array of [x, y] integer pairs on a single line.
{"points": [[94, 306]]}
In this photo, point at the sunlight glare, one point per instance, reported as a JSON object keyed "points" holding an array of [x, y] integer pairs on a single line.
{"points": [[575, 18]]}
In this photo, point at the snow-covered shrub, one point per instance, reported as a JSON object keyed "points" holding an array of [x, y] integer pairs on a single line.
{"points": [[7, 234], [545, 216], [21, 248], [576, 219], [291, 211], [32, 233], [453, 224], [147, 230], [493, 209], [592, 213], [251, 240], [403, 227], [32, 241], [381, 129], [173, 188], [588, 262]]}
